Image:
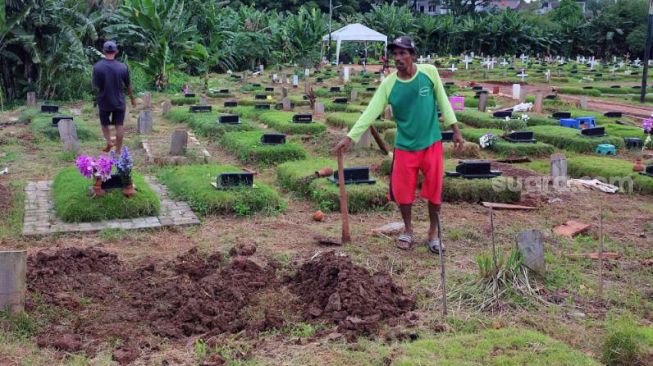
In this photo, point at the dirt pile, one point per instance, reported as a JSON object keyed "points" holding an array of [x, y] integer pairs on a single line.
{"points": [[89, 297], [332, 288]]}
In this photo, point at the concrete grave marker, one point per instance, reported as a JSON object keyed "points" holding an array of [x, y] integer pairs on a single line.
{"points": [[147, 100], [31, 99], [345, 74], [68, 135], [482, 102], [319, 110], [144, 122], [307, 72], [285, 102], [539, 99], [179, 142], [166, 107], [354, 95], [516, 91], [558, 171], [530, 244], [204, 100], [284, 92], [295, 81], [13, 280], [582, 102], [365, 141]]}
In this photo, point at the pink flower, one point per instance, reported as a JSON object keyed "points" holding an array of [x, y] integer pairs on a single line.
{"points": [[103, 167], [647, 124]]}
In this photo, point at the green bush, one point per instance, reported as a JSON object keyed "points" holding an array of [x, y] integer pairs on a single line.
{"points": [[608, 168], [570, 139], [299, 176], [248, 148], [184, 100], [192, 183], [580, 91], [626, 343], [206, 124], [477, 190], [72, 201], [343, 119], [282, 122], [139, 80], [505, 148], [42, 125]]}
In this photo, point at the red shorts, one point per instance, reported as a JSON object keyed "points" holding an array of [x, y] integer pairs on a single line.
{"points": [[405, 167]]}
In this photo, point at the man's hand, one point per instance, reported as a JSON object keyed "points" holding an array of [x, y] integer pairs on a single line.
{"points": [[458, 140], [342, 146]]}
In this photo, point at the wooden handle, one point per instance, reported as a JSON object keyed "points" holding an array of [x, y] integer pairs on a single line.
{"points": [[379, 140], [344, 211]]}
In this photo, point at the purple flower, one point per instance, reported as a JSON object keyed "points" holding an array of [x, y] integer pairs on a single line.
{"points": [[647, 124], [86, 165], [103, 168], [125, 163]]}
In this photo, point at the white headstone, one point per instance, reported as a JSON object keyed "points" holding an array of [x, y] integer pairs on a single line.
{"points": [[453, 68], [345, 74], [261, 68], [307, 72], [516, 91], [295, 81]]}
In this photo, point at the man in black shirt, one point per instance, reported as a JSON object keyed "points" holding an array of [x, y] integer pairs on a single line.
{"points": [[110, 78]]}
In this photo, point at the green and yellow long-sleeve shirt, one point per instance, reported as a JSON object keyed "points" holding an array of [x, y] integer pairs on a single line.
{"points": [[415, 104]]}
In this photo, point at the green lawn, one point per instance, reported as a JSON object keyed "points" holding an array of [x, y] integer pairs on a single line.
{"points": [[192, 183], [72, 201], [608, 167], [248, 148], [571, 139], [42, 125], [282, 122], [206, 124]]}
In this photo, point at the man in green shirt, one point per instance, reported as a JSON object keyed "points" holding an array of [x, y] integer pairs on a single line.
{"points": [[416, 94]]}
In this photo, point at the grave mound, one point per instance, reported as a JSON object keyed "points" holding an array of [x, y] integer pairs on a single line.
{"points": [[109, 299], [334, 289]]}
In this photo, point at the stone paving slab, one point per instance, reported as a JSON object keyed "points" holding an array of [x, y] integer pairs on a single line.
{"points": [[40, 218]]}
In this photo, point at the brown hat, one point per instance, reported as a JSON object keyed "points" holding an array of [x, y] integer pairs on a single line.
{"points": [[404, 42]]}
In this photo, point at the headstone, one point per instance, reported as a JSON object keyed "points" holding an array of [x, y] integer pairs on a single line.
{"points": [[31, 99], [166, 107], [539, 99], [204, 100], [387, 113], [147, 100], [530, 244], [13, 280], [144, 122], [295, 81], [307, 72], [559, 170], [284, 92], [482, 102], [365, 141], [286, 104], [522, 96], [319, 110], [68, 135], [516, 91], [307, 87], [354, 95], [345, 74], [179, 142], [582, 103]]}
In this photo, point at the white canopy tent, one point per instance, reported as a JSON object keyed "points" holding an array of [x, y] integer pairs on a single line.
{"points": [[354, 32]]}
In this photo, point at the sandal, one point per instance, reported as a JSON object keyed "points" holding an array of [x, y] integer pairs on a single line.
{"points": [[435, 246], [404, 241]]}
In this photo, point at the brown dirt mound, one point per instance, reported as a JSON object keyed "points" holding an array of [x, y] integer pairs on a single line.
{"points": [[88, 298], [332, 288]]}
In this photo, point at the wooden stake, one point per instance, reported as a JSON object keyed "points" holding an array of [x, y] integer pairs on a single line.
{"points": [[442, 271], [344, 211], [601, 250], [379, 140], [494, 256]]}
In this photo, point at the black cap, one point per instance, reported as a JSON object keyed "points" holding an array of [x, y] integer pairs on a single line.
{"points": [[110, 47], [404, 42]]}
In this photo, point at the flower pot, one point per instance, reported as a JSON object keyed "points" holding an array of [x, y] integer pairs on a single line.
{"points": [[638, 167], [128, 187], [97, 188]]}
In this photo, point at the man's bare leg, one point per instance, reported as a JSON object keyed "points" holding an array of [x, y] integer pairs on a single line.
{"points": [[106, 132], [407, 216], [434, 211], [120, 132]]}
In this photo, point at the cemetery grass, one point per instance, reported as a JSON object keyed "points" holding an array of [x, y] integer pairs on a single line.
{"points": [[570, 139], [206, 124], [347, 120], [72, 202], [248, 148], [505, 148], [193, 184], [614, 170], [282, 122], [184, 100], [42, 125]]}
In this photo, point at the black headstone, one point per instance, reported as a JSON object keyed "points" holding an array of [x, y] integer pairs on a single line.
{"points": [[613, 114], [648, 171], [231, 103], [474, 169], [302, 118], [262, 106], [231, 119], [200, 108], [189, 95], [551, 97], [334, 89], [520, 136], [593, 131], [588, 87], [615, 86], [273, 138], [477, 87], [319, 80], [260, 97], [56, 119], [114, 182], [502, 114], [230, 180], [256, 85], [371, 89], [340, 100], [223, 91], [47, 108], [560, 115], [633, 142], [269, 89], [354, 175]]}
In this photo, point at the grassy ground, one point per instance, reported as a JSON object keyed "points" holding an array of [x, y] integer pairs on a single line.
{"points": [[570, 139], [248, 148], [282, 122], [73, 203]]}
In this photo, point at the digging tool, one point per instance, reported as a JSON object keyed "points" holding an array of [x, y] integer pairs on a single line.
{"points": [[379, 140]]}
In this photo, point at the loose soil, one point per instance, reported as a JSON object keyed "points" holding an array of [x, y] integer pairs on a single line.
{"points": [[93, 298]]}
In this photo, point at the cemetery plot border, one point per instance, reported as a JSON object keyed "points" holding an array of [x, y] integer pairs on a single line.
{"points": [[299, 176], [40, 218], [192, 183], [248, 148]]}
